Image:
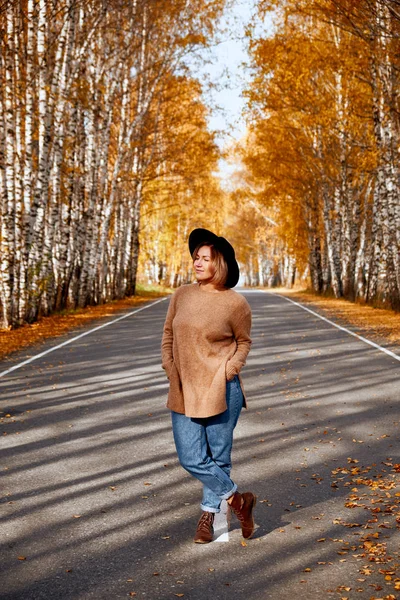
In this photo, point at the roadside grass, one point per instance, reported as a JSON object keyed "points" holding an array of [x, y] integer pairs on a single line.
{"points": [[63, 321]]}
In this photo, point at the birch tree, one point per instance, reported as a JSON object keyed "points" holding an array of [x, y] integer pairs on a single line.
{"points": [[325, 90], [83, 88]]}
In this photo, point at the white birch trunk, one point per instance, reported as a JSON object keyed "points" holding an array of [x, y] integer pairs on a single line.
{"points": [[42, 78], [41, 224], [29, 173], [109, 207], [5, 291], [312, 218], [332, 249], [98, 164], [360, 271], [19, 258], [64, 58], [8, 213], [29, 111], [388, 172]]}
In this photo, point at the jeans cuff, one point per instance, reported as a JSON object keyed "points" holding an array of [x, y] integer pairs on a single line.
{"points": [[209, 509], [230, 493]]}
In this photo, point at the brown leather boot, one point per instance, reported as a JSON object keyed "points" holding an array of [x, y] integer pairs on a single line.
{"points": [[205, 529], [243, 505]]}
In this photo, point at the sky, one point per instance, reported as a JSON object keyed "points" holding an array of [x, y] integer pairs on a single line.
{"points": [[226, 70]]}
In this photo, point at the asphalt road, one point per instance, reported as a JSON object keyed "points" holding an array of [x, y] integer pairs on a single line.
{"points": [[95, 506]]}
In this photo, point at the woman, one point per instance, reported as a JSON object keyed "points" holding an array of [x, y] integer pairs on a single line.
{"points": [[205, 343]]}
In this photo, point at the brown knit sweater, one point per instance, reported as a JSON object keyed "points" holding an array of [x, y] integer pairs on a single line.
{"points": [[206, 341]]}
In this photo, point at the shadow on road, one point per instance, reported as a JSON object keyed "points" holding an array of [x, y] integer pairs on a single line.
{"points": [[95, 505]]}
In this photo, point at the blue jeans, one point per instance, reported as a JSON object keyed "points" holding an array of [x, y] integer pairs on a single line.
{"points": [[204, 447]]}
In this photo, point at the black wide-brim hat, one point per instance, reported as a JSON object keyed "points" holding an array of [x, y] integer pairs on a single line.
{"points": [[203, 236]]}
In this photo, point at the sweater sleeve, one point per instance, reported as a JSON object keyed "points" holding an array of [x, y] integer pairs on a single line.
{"points": [[167, 357], [241, 331]]}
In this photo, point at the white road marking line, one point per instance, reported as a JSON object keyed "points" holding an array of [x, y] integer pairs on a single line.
{"points": [[29, 360], [221, 532], [363, 339]]}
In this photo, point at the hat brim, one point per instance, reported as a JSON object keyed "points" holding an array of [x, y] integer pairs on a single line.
{"points": [[200, 236]]}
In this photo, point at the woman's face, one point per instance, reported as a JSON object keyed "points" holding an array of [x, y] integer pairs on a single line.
{"points": [[203, 264]]}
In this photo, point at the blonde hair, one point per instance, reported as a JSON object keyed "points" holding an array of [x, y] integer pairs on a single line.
{"points": [[219, 263]]}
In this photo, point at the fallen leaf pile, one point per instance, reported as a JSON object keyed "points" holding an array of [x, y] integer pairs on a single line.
{"points": [[372, 489]]}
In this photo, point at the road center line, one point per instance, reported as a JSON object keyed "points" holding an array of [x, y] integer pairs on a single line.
{"points": [[363, 339], [29, 360]]}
